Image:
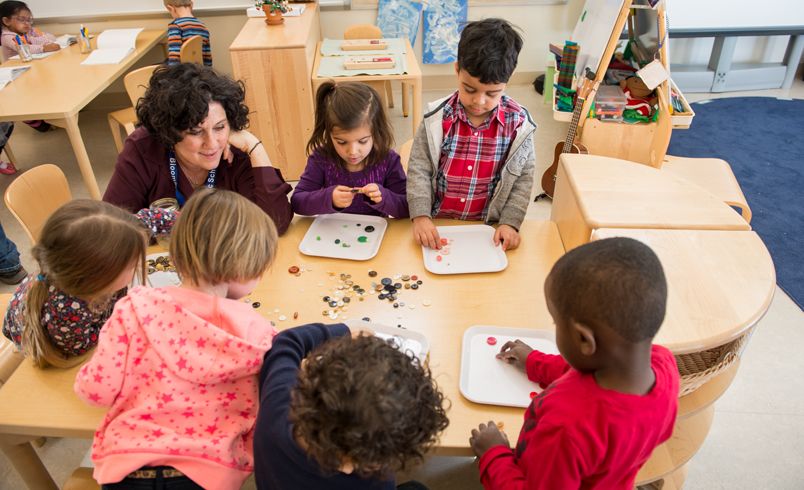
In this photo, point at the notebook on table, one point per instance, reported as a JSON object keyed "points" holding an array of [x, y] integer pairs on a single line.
{"points": [[113, 46]]}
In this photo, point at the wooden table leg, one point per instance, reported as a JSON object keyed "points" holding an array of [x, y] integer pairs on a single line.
{"points": [[417, 104], [26, 461], [405, 97], [81, 155]]}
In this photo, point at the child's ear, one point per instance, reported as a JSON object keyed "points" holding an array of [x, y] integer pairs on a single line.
{"points": [[585, 337], [457, 68]]}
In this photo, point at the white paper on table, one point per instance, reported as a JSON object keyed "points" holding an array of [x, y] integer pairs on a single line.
{"points": [[36, 56], [65, 40], [113, 46], [9, 74]]}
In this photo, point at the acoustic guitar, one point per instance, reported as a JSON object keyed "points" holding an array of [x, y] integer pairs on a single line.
{"points": [[587, 88]]}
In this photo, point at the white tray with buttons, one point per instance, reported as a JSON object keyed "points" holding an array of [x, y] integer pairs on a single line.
{"points": [[344, 236], [465, 249]]}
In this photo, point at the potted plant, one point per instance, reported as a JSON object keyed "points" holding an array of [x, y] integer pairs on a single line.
{"points": [[273, 10]]}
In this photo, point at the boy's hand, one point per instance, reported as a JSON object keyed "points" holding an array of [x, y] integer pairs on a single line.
{"points": [[342, 196], [508, 236], [425, 232], [486, 436], [515, 353], [372, 191]]}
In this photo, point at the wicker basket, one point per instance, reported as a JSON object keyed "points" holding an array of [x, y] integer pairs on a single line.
{"points": [[696, 368]]}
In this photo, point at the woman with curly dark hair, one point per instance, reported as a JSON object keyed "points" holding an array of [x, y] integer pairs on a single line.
{"points": [[340, 411], [193, 136]]}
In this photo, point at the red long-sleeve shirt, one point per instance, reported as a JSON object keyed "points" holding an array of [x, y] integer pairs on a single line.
{"points": [[578, 435]]}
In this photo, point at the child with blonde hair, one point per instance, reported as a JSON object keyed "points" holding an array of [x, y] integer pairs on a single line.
{"points": [[351, 168], [184, 26], [55, 315], [177, 366]]}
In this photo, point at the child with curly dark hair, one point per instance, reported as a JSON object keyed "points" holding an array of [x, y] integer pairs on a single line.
{"points": [[342, 412]]}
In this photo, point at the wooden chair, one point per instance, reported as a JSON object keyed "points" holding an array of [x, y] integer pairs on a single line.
{"points": [[192, 50], [383, 87], [9, 154], [10, 358], [136, 82], [714, 175], [404, 153], [35, 195]]}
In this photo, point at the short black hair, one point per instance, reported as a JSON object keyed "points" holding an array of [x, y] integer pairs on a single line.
{"points": [[618, 282], [178, 97], [363, 400], [488, 50]]}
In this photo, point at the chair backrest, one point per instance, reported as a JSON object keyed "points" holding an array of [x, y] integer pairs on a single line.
{"points": [[192, 50], [362, 31], [35, 195], [136, 82], [404, 153]]}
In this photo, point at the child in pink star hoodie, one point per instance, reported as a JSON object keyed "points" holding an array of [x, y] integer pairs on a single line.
{"points": [[178, 366]]}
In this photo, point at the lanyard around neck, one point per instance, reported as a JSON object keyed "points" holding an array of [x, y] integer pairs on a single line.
{"points": [[174, 175]]}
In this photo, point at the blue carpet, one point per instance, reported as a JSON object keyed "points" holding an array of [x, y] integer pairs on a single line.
{"points": [[763, 140]]}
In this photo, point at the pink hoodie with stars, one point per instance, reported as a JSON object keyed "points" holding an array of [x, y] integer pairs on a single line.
{"points": [[178, 370]]}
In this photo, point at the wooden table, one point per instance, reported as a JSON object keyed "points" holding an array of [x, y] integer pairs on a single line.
{"points": [[275, 63], [413, 77], [58, 87], [600, 192]]}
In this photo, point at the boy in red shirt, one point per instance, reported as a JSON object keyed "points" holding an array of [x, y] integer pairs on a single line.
{"points": [[611, 395]]}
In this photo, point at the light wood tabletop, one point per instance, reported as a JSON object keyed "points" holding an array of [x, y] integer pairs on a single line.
{"points": [[600, 192], [412, 77], [292, 33], [56, 88], [720, 283]]}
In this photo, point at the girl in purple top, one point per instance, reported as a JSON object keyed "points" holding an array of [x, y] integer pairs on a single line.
{"points": [[351, 168]]}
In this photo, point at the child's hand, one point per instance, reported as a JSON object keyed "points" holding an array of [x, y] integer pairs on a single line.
{"points": [[515, 353], [342, 196], [372, 191], [486, 436], [425, 232], [508, 236], [50, 47]]}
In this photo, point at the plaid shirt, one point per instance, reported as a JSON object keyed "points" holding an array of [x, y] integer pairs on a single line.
{"points": [[472, 158]]}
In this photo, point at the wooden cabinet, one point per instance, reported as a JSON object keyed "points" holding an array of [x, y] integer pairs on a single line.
{"points": [[275, 63]]}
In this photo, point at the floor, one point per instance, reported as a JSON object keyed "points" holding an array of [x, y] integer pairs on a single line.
{"points": [[755, 441]]}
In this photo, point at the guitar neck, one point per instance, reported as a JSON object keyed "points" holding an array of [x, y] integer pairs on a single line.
{"points": [[576, 116]]}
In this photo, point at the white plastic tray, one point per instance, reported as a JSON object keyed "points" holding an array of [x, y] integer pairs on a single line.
{"points": [[486, 379], [160, 279], [471, 249], [346, 228], [411, 343]]}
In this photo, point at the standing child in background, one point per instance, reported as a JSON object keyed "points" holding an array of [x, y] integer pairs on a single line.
{"points": [[177, 366], [183, 27], [55, 316], [611, 396], [472, 157], [351, 168], [342, 412]]}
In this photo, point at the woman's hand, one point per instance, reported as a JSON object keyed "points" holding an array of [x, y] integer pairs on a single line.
{"points": [[342, 196], [372, 191], [248, 144]]}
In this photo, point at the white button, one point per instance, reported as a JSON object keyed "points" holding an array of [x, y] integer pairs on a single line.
{"points": [[475, 133], [469, 167], [463, 200]]}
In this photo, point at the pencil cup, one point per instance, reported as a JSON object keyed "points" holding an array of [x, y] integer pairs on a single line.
{"points": [[84, 44], [25, 52]]}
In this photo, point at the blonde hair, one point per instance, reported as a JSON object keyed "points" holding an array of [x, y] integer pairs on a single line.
{"points": [[178, 3], [84, 246], [221, 236]]}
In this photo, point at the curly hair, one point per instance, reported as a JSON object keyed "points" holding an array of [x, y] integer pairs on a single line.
{"points": [[363, 401], [178, 97]]}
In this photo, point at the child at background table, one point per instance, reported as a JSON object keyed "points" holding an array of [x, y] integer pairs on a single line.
{"points": [[351, 168], [611, 396], [472, 157], [342, 412], [178, 365], [184, 26], [88, 253]]}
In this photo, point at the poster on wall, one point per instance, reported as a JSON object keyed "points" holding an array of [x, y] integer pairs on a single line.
{"points": [[399, 18], [443, 23]]}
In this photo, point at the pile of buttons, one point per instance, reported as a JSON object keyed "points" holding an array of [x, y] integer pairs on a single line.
{"points": [[161, 264]]}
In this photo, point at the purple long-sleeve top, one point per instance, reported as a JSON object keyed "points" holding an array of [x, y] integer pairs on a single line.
{"points": [[313, 193]]}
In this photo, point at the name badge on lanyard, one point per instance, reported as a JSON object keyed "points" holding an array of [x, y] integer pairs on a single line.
{"points": [[174, 175]]}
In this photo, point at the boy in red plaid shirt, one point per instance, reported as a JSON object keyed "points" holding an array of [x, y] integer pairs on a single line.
{"points": [[472, 156]]}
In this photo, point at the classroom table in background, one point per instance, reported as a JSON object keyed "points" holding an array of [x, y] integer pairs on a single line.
{"points": [[56, 88], [600, 192], [412, 77]]}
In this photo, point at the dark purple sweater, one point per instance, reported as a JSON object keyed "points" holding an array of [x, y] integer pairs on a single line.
{"points": [[313, 193], [142, 175]]}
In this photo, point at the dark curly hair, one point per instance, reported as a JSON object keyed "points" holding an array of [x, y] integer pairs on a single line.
{"points": [[178, 97], [363, 401]]}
